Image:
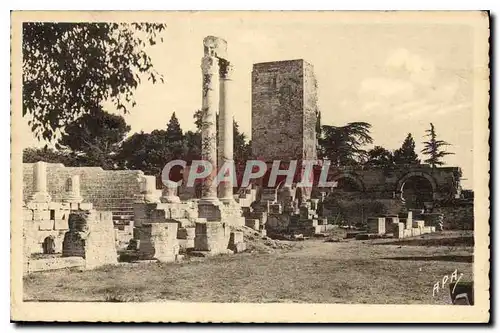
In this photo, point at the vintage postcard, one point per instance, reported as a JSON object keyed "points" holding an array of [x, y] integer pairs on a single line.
{"points": [[250, 166]]}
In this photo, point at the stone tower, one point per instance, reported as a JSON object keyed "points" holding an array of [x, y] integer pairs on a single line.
{"points": [[284, 111]]}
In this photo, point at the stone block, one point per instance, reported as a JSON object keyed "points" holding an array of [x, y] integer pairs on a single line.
{"points": [[399, 233], [236, 237], [376, 225], [323, 221], [309, 222], [239, 247], [85, 206], [409, 220], [41, 214], [158, 241], [60, 224], [415, 232], [209, 211], [65, 206], [263, 233], [37, 205], [74, 206], [426, 230], [418, 224], [46, 225], [55, 205], [252, 223], [433, 229], [212, 237], [407, 233], [275, 209], [61, 214], [91, 236]]}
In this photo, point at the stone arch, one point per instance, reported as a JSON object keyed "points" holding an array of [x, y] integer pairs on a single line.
{"points": [[415, 174], [49, 245], [351, 177]]}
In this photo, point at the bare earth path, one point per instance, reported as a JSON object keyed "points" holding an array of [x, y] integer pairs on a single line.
{"points": [[319, 272]]}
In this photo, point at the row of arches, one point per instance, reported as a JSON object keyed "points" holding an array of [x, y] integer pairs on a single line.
{"points": [[414, 188]]}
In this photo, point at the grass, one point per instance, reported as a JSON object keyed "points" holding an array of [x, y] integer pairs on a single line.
{"points": [[317, 272]]}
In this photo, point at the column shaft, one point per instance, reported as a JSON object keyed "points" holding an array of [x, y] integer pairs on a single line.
{"points": [[226, 143], [210, 101]]}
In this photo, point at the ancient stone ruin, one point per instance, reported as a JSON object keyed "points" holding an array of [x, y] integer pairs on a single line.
{"points": [[82, 216]]}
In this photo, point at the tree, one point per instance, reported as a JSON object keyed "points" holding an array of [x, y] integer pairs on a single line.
{"points": [[94, 138], [406, 154], [174, 131], [379, 156], [343, 145], [241, 149], [46, 154], [70, 69], [433, 148]]}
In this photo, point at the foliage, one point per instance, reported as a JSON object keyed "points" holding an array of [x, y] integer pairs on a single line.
{"points": [[379, 156], [70, 69], [343, 145], [241, 149], [46, 154], [150, 152], [94, 139], [433, 148], [406, 154]]}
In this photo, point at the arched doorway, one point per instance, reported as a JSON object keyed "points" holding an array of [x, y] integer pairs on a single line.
{"points": [[416, 191], [348, 183], [48, 245]]}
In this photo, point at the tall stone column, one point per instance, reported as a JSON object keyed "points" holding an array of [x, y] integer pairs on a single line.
{"points": [[73, 190], [225, 152], [210, 101], [40, 193]]}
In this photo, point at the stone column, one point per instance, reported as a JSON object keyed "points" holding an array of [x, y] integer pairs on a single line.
{"points": [[73, 190], [210, 71], [225, 152], [40, 193], [149, 189]]}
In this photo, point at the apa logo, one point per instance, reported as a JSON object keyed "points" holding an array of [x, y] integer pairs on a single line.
{"points": [[453, 278]]}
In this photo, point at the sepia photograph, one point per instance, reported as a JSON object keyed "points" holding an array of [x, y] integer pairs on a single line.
{"points": [[198, 166]]}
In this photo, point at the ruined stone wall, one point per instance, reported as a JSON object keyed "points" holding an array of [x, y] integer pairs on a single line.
{"points": [[386, 182], [283, 110], [110, 190]]}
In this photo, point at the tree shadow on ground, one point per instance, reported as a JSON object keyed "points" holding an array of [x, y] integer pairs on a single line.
{"points": [[452, 258]]}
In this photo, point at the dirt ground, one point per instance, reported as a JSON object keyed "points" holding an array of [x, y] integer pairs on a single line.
{"points": [[350, 271]]}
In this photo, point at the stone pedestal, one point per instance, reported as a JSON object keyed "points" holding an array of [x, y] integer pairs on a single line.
{"points": [[149, 191], [40, 194], [212, 237], [73, 190], [158, 241], [409, 220], [376, 225], [91, 236], [169, 195]]}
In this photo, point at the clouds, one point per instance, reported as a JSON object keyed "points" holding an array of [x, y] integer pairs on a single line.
{"points": [[409, 87]]}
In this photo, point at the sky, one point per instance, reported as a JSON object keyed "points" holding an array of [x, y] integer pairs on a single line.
{"points": [[399, 77]]}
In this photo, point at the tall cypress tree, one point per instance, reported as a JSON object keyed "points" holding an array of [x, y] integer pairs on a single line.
{"points": [[432, 148], [174, 131]]}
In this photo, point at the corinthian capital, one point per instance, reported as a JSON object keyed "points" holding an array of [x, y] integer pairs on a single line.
{"points": [[209, 65]]}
